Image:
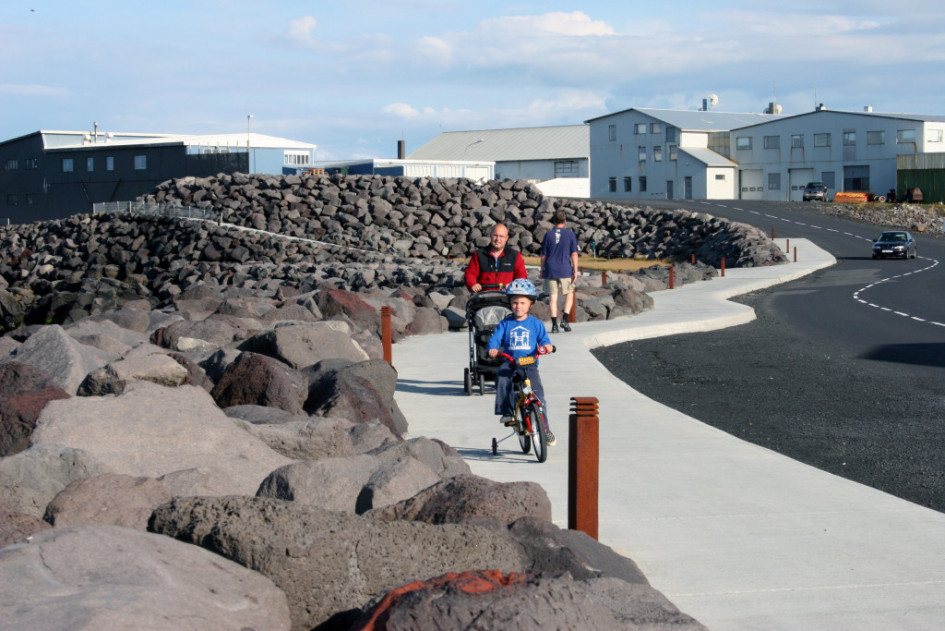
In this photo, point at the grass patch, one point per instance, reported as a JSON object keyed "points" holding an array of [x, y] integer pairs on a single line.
{"points": [[611, 265]]}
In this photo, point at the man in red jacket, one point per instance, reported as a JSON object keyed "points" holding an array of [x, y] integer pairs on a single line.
{"points": [[496, 266]]}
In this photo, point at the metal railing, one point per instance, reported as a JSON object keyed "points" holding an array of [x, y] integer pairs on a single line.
{"points": [[156, 210]]}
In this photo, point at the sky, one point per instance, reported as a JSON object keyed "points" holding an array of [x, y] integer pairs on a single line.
{"points": [[354, 77]]}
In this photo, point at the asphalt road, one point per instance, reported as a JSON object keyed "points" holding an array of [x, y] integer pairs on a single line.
{"points": [[842, 370]]}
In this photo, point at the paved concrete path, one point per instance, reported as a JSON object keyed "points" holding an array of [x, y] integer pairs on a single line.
{"points": [[737, 536]]}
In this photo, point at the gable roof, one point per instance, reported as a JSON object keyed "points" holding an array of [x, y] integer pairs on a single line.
{"points": [[508, 145], [53, 140], [698, 120], [919, 118]]}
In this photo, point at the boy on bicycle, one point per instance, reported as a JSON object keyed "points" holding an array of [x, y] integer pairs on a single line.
{"points": [[520, 335]]}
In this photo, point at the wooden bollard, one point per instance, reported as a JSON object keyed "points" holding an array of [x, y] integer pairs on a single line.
{"points": [[603, 277], [572, 314], [693, 259], [385, 335], [772, 234], [795, 254], [583, 465], [788, 248], [723, 266], [672, 277]]}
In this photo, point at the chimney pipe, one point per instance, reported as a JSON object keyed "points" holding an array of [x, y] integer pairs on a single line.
{"points": [[401, 152]]}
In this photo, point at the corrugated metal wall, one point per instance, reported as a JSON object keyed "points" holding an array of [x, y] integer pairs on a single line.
{"points": [[925, 171]]}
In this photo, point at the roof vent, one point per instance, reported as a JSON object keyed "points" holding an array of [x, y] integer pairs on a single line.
{"points": [[773, 108], [820, 108], [868, 108]]}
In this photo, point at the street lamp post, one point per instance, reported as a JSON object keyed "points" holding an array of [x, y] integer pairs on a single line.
{"points": [[249, 167], [476, 142]]}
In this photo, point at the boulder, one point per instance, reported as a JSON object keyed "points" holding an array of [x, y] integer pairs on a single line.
{"points": [[119, 500], [143, 363], [31, 478], [150, 431], [359, 392], [302, 344], [61, 357], [107, 577], [18, 527], [261, 380], [329, 563], [461, 497]]}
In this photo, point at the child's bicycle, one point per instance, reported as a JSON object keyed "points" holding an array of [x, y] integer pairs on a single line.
{"points": [[529, 412]]}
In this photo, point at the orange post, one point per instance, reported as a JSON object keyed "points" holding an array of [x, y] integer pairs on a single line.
{"points": [[672, 277], [385, 334], [603, 277], [772, 234], [572, 315], [583, 465], [723, 266], [693, 258], [795, 254]]}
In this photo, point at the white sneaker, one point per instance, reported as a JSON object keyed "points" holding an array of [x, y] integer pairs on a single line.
{"points": [[550, 439]]}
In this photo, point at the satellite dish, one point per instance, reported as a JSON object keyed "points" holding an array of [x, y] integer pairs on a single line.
{"points": [[713, 99], [777, 109]]}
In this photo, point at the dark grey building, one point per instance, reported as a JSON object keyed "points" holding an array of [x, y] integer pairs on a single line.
{"points": [[52, 174]]}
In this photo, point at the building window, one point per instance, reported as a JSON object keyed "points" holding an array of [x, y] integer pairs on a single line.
{"points": [[905, 135], [657, 153], [849, 139], [656, 128], [32, 163], [821, 140], [566, 168], [856, 178], [876, 137], [296, 158], [670, 134], [641, 153], [743, 143], [720, 176], [30, 199], [797, 141], [110, 163], [772, 142], [67, 165], [935, 135], [90, 164], [612, 133], [612, 184], [12, 165], [12, 199], [639, 128], [774, 181], [642, 183], [141, 163], [627, 184]]}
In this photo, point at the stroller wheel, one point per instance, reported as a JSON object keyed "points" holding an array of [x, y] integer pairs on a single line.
{"points": [[467, 381], [495, 446], [482, 385]]}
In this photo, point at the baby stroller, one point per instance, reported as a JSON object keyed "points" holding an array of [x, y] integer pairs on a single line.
{"points": [[484, 311]]}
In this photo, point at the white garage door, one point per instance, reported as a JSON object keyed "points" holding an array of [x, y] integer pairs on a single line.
{"points": [[799, 179], [752, 186]]}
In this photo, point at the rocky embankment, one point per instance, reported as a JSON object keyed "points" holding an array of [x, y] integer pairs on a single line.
{"points": [[198, 430]]}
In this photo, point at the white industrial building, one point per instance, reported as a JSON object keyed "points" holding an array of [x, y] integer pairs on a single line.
{"points": [[555, 158], [848, 151], [666, 154], [687, 154]]}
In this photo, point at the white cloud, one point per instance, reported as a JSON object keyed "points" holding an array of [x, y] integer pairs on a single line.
{"points": [[301, 31], [31, 89], [401, 110]]}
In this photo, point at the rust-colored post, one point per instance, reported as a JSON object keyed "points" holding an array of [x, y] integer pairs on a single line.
{"points": [[385, 334], [788, 245], [723, 266], [603, 278], [772, 234], [672, 277], [693, 258], [583, 465], [795, 254], [572, 314]]}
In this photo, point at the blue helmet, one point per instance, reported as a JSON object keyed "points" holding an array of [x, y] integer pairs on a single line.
{"points": [[522, 287]]}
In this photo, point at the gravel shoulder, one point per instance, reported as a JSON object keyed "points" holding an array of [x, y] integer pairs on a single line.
{"points": [[851, 417]]}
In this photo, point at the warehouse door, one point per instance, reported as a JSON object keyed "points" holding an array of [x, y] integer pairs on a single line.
{"points": [[752, 184]]}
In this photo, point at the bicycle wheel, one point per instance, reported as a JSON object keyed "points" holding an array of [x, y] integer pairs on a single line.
{"points": [[521, 428], [537, 418]]}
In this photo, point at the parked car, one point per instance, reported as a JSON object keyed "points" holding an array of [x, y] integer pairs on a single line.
{"points": [[815, 190], [897, 243]]}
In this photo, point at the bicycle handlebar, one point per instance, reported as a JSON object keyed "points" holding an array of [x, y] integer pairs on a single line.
{"points": [[541, 351]]}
